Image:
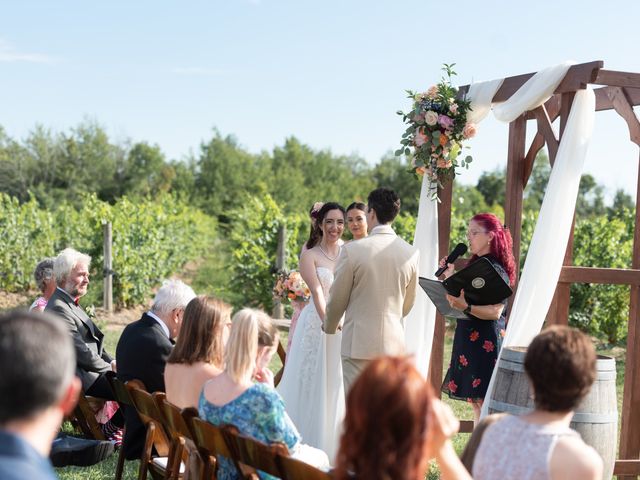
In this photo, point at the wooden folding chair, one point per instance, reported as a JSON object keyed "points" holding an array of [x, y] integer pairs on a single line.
{"points": [[211, 442], [256, 455], [156, 437], [283, 358], [84, 417], [178, 431], [293, 469], [121, 394]]}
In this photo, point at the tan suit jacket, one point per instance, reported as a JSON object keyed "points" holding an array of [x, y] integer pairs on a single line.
{"points": [[375, 287]]}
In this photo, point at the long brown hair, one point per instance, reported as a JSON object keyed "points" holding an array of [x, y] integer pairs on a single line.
{"points": [[200, 338], [385, 427]]}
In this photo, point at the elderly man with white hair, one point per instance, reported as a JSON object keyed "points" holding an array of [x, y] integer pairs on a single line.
{"points": [[71, 270], [143, 349]]}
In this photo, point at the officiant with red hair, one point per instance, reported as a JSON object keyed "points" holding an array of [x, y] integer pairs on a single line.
{"points": [[478, 337]]}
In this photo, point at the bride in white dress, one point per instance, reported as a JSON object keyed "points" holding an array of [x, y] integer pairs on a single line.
{"points": [[311, 385]]}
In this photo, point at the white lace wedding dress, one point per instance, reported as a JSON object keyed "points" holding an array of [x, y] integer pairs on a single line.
{"points": [[311, 385]]}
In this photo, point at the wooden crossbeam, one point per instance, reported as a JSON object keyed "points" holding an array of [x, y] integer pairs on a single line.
{"points": [[603, 100], [544, 128], [609, 276], [617, 79], [577, 78], [627, 467], [621, 104]]}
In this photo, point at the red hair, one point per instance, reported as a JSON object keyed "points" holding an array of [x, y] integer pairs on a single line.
{"points": [[502, 244], [385, 427]]}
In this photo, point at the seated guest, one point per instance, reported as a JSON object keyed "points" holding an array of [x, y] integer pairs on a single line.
{"points": [[46, 282], [71, 270], [198, 354], [394, 425], [561, 365], [255, 409], [143, 349], [37, 389]]}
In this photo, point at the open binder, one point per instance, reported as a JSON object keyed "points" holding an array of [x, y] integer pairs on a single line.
{"points": [[481, 282]]}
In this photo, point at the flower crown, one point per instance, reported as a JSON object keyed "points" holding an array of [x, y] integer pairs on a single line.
{"points": [[315, 210]]}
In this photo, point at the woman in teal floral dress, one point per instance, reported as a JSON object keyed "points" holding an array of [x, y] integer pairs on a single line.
{"points": [[255, 409], [478, 337]]}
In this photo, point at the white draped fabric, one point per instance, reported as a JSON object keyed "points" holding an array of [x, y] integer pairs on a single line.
{"points": [[549, 242], [420, 323], [546, 251]]}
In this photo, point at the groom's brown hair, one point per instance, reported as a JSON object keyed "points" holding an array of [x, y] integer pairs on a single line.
{"points": [[385, 202]]}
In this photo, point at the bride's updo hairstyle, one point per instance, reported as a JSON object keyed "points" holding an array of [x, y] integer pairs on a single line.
{"points": [[250, 329], [385, 427], [501, 245], [327, 207]]}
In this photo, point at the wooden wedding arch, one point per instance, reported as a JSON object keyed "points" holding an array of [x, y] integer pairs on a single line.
{"points": [[619, 91]]}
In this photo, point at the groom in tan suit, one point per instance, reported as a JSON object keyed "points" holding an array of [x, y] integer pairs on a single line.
{"points": [[375, 286]]}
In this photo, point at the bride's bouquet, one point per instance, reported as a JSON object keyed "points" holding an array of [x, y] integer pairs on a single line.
{"points": [[437, 129], [291, 287]]}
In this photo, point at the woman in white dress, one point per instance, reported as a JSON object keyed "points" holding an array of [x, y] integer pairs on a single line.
{"points": [[311, 385]]}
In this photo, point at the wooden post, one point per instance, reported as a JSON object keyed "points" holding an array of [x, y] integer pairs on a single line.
{"points": [[630, 434], [281, 256], [444, 231], [515, 187], [107, 298]]}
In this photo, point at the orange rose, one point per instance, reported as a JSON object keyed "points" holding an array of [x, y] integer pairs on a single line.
{"points": [[443, 140], [443, 163], [292, 296]]}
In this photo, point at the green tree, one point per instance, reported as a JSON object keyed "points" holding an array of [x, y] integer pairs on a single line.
{"points": [[492, 185], [393, 172]]}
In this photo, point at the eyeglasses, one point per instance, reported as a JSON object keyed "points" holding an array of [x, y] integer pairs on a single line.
{"points": [[473, 233]]}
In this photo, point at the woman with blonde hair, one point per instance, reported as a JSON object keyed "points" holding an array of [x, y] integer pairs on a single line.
{"points": [[198, 354], [255, 409]]}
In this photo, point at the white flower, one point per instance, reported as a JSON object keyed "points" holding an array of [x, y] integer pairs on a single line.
{"points": [[431, 118]]}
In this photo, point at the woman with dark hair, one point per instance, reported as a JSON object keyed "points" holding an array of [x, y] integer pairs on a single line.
{"points": [[478, 337], [314, 237], [312, 386], [561, 364], [198, 353], [357, 220], [394, 425]]}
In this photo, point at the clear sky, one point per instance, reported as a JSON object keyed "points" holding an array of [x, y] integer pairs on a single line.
{"points": [[332, 73]]}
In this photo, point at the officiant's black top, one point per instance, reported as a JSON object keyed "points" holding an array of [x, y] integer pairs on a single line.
{"points": [[476, 344]]}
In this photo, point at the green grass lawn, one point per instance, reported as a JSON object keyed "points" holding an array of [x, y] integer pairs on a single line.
{"points": [[106, 469]]}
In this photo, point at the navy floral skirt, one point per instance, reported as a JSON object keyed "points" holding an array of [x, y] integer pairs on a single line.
{"points": [[476, 344]]}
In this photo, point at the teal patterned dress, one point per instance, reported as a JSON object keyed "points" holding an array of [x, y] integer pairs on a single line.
{"points": [[259, 413]]}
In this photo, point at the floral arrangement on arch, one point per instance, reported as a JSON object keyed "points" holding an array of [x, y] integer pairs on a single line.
{"points": [[291, 287], [437, 129]]}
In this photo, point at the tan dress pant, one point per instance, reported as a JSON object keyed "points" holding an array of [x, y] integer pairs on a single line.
{"points": [[351, 368]]}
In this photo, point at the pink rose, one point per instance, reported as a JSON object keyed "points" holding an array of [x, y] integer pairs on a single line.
{"points": [[469, 130], [420, 139], [418, 118], [453, 108], [445, 121], [431, 118]]}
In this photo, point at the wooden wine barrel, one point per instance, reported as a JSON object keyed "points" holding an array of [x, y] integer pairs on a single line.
{"points": [[596, 418]]}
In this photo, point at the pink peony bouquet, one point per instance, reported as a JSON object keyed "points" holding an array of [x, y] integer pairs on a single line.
{"points": [[437, 129], [290, 287]]}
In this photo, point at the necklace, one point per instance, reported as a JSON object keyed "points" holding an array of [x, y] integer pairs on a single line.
{"points": [[333, 259]]}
